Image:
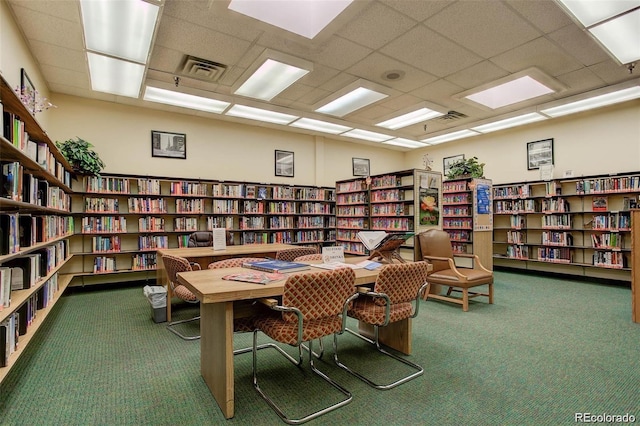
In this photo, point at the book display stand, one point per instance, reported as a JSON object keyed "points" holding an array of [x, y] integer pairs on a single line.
{"points": [[388, 252]]}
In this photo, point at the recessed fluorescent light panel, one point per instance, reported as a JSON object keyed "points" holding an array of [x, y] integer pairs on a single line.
{"points": [[320, 126], [367, 135], [115, 76], [612, 23], [450, 137], [252, 113], [271, 78], [511, 92], [404, 120], [306, 18], [509, 122], [122, 28], [184, 100], [354, 100], [406, 143], [594, 102]]}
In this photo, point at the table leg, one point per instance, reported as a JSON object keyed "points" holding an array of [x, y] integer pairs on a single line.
{"points": [[216, 353], [396, 335]]}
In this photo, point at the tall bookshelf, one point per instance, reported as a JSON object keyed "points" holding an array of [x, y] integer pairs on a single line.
{"points": [[468, 218], [635, 260], [35, 225], [122, 220], [396, 202], [576, 226]]}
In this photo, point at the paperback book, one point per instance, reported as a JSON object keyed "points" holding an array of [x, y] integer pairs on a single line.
{"points": [[276, 266]]}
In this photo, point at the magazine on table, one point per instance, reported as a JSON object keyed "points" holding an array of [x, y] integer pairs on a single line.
{"points": [[256, 277], [276, 266]]}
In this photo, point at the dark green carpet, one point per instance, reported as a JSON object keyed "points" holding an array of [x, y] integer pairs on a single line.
{"points": [[546, 349]]}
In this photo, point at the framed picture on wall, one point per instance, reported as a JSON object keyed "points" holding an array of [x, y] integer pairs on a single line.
{"points": [[539, 153], [27, 91], [360, 166], [447, 162], [168, 144], [284, 163]]}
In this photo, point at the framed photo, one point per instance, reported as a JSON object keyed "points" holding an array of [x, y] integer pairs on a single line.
{"points": [[284, 163], [539, 153], [168, 144], [447, 162], [360, 166], [27, 91]]}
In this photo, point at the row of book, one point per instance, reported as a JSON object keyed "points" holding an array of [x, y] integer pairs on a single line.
{"points": [[103, 184], [456, 199], [144, 261], [101, 205], [455, 186], [609, 259], [559, 255], [392, 223], [608, 185], [390, 209], [351, 186], [612, 221], [17, 185], [386, 181], [18, 323], [516, 237], [456, 211], [460, 223], [149, 205], [352, 198], [557, 238], [516, 206], [460, 236], [387, 195], [19, 231], [185, 224], [518, 252], [108, 224], [560, 221], [13, 130], [514, 191], [188, 188], [612, 240]]}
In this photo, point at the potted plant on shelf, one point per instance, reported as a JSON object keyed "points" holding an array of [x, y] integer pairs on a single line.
{"points": [[82, 158], [469, 168]]}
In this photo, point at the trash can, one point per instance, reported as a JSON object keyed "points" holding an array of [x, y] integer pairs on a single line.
{"points": [[157, 296]]}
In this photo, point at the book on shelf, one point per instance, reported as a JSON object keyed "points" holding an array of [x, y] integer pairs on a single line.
{"points": [[599, 204], [257, 277], [276, 266], [377, 239]]}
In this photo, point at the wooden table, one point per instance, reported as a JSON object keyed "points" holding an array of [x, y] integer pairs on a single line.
{"points": [[218, 298], [205, 255]]}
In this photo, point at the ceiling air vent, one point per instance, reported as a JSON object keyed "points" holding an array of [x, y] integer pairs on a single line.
{"points": [[451, 115], [201, 69]]}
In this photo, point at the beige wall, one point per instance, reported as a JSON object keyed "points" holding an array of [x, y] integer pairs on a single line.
{"points": [[216, 149], [602, 141]]}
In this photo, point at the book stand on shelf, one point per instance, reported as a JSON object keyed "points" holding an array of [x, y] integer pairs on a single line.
{"points": [[388, 251]]}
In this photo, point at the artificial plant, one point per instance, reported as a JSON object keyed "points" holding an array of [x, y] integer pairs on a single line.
{"points": [[82, 158], [466, 168]]}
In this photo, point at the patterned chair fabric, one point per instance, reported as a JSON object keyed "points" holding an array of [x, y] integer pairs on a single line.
{"points": [[173, 265], [234, 262], [320, 297], [401, 283], [308, 257], [290, 254]]}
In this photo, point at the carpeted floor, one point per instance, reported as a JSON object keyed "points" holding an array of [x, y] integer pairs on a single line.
{"points": [[547, 349]]}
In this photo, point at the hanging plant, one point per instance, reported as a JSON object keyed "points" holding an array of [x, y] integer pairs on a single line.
{"points": [[82, 158], [469, 168]]}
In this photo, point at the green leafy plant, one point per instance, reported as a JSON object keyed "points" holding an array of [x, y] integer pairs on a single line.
{"points": [[466, 168], [82, 158]]}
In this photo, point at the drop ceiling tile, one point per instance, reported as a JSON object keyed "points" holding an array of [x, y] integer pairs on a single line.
{"points": [[319, 76], [485, 27], [477, 74], [58, 56], [340, 53], [400, 102], [611, 72], [50, 29], [579, 44], [65, 77], [417, 9], [546, 15], [68, 10], [376, 26], [201, 42], [430, 52], [540, 53], [311, 98], [440, 91], [376, 65], [293, 93], [580, 80]]}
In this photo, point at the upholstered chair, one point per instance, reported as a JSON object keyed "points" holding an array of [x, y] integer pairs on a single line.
{"points": [[174, 265], [290, 254]]}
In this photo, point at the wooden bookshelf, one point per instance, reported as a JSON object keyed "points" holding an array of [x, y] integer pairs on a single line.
{"points": [[396, 202], [468, 219], [635, 260], [576, 226], [35, 222], [122, 220]]}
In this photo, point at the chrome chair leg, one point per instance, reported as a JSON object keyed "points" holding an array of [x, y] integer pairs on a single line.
{"points": [[298, 363], [176, 332], [376, 342]]}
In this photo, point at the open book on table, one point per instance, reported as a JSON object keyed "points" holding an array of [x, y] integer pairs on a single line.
{"points": [[256, 277], [377, 239]]}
